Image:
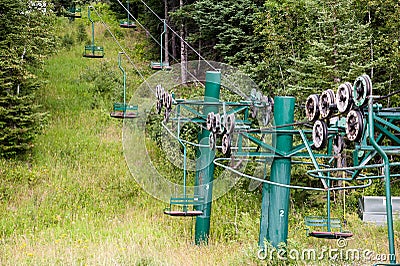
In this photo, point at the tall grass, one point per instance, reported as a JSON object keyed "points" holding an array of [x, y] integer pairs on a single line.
{"points": [[75, 203]]}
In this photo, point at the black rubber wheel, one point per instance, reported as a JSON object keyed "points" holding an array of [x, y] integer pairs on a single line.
{"points": [[362, 88], [344, 97], [320, 134], [226, 145], [354, 125], [326, 101], [312, 107]]}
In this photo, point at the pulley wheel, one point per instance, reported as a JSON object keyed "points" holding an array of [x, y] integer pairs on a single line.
{"points": [[222, 128], [164, 98], [158, 90], [212, 140], [258, 95], [320, 134], [230, 123], [344, 97], [253, 111], [168, 101], [217, 124], [158, 107], [166, 115], [361, 90], [210, 119], [354, 125], [267, 110], [226, 145], [312, 107], [325, 101], [161, 94], [253, 93]]}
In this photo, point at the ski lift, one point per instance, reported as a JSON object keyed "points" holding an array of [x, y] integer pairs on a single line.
{"points": [[123, 110], [74, 12], [321, 221], [92, 50], [127, 23], [161, 65], [328, 222], [184, 201]]}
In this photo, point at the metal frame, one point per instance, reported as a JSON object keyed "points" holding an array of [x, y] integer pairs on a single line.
{"points": [[123, 110], [378, 124], [93, 51]]}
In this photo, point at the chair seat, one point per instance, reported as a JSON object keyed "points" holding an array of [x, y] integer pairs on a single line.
{"points": [[182, 213], [330, 235]]}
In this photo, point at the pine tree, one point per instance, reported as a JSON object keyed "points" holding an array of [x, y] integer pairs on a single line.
{"points": [[338, 51], [26, 37]]}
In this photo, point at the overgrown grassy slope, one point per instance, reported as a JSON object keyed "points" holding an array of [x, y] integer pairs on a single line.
{"points": [[74, 201]]}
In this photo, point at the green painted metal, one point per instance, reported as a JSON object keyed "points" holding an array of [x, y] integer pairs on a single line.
{"points": [[204, 163], [274, 220], [161, 42], [74, 12], [123, 110], [90, 19], [124, 76], [127, 23], [387, 181], [93, 51]]}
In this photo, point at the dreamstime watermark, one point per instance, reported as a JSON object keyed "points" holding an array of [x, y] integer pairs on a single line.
{"points": [[340, 254]]}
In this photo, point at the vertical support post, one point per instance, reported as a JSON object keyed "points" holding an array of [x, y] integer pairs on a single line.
{"points": [[90, 19], [127, 7], [161, 42], [275, 199], [204, 162], [328, 207], [386, 168], [124, 79]]}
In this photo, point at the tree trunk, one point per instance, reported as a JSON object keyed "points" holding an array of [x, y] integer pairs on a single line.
{"points": [[183, 49], [166, 36]]}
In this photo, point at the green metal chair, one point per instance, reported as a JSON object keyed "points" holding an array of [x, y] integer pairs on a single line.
{"points": [[121, 110], [179, 206], [92, 50], [74, 12], [124, 110], [127, 23], [321, 221]]}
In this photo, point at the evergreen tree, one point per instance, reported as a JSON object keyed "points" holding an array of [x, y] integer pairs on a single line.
{"points": [[283, 27], [384, 18], [26, 37], [339, 49], [312, 45]]}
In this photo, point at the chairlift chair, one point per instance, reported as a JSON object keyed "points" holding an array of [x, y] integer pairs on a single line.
{"points": [[74, 12], [92, 50], [123, 110], [127, 23], [179, 206]]}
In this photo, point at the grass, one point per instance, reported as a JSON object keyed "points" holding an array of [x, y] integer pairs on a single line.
{"points": [[74, 201]]}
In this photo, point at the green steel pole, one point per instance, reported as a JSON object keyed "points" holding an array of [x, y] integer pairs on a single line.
{"points": [[389, 215], [124, 79], [328, 207], [161, 43], [90, 19], [328, 194], [275, 200], [204, 162], [127, 7]]}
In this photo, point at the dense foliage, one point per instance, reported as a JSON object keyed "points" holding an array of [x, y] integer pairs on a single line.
{"points": [[25, 38], [289, 47], [286, 46]]}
